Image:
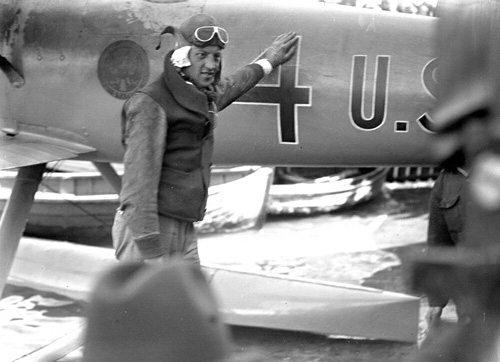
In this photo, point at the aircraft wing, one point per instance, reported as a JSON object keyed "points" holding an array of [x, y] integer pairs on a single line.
{"points": [[24, 145]]}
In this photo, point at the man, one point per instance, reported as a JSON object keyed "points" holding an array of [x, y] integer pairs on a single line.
{"points": [[446, 227], [168, 135]]}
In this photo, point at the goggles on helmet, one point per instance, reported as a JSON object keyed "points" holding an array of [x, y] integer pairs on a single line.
{"points": [[206, 33]]}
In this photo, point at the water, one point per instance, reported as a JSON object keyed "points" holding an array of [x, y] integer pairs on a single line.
{"points": [[347, 246], [30, 319]]}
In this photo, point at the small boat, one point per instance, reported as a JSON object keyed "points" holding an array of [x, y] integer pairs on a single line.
{"points": [[80, 206], [237, 199], [309, 191]]}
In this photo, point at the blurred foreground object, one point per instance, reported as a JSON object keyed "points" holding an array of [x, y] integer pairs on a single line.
{"points": [[152, 313], [471, 277], [467, 119], [467, 114]]}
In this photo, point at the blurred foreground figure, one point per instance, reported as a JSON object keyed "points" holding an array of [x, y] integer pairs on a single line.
{"points": [[468, 108], [156, 313], [467, 118]]}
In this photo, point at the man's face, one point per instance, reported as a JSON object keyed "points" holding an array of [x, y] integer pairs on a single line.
{"points": [[205, 62]]}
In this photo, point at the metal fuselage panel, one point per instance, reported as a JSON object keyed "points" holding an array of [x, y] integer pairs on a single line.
{"points": [[351, 96]]}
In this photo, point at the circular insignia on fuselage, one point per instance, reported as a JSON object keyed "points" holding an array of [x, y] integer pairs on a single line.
{"points": [[123, 68]]}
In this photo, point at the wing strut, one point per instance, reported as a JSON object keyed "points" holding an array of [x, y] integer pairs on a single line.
{"points": [[108, 172], [15, 216]]}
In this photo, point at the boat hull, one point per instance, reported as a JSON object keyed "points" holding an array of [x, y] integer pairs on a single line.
{"points": [[325, 194], [80, 206], [245, 298], [320, 307]]}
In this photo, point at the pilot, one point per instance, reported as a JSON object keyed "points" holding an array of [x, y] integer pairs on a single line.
{"points": [[168, 135]]}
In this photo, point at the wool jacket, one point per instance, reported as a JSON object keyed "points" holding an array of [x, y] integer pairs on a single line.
{"points": [[447, 206], [168, 136]]}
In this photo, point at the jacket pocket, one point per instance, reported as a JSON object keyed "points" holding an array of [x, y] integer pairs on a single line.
{"points": [[453, 213], [183, 152], [182, 195]]}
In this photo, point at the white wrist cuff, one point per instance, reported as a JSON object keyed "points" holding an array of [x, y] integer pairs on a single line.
{"points": [[266, 66]]}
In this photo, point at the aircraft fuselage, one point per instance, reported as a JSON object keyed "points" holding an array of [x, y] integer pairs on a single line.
{"points": [[354, 94]]}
